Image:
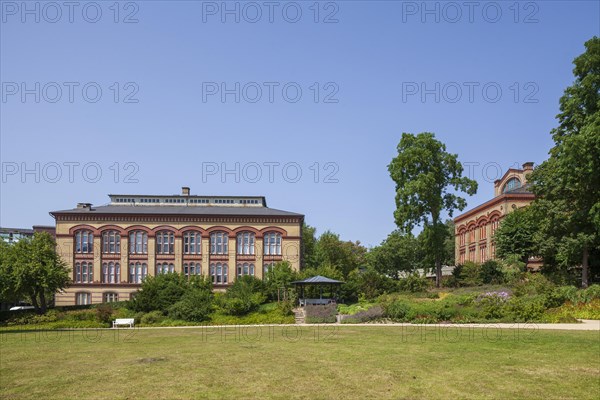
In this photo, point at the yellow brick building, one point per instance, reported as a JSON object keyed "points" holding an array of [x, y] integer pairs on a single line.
{"points": [[112, 248], [474, 229]]}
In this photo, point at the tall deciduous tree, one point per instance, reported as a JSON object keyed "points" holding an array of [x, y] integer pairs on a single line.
{"points": [[344, 255], [425, 173], [31, 269], [397, 253], [515, 235], [427, 254], [309, 244], [568, 183]]}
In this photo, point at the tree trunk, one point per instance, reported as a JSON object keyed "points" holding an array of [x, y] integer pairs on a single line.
{"points": [[438, 271], [33, 298], [585, 268], [43, 305]]}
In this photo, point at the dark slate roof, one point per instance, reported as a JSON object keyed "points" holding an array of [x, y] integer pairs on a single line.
{"points": [[521, 189], [180, 210], [318, 279]]}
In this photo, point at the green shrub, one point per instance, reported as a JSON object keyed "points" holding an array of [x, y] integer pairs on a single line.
{"points": [[559, 295], [491, 272], [160, 292], [589, 294], [513, 270], [104, 313], [493, 304], [195, 306], [533, 284], [81, 315], [353, 308], [286, 307], [397, 310], [244, 296], [470, 274], [414, 283], [525, 308], [152, 318], [278, 279]]}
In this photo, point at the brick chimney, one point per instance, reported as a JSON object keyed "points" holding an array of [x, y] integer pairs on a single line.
{"points": [[528, 166]]}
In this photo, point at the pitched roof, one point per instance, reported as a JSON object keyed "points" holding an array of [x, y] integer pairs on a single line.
{"points": [[318, 279], [180, 210], [521, 189]]}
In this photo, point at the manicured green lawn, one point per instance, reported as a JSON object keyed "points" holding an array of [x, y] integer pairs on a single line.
{"points": [[291, 362]]}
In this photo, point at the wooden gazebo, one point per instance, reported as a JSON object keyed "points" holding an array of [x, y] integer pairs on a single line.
{"points": [[321, 282]]}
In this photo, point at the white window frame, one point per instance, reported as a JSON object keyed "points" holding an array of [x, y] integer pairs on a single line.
{"points": [[192, 242], [218, 273], [111, 272], [138, 271], [138, 242], [219, 242], [83, 298], [245, 243], [272, 244], [111, 242]]}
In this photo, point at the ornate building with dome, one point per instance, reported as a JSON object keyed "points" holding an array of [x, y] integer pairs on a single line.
{"points": [[474, 229]]}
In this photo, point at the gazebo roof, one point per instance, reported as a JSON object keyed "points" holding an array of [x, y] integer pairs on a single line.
{"points": [[315, 280]]}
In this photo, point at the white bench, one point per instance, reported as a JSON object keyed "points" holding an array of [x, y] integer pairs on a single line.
{"points": [[123, 321]]}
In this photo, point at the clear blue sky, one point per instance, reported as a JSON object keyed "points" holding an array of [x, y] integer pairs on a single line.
{"points": [[372, 61]]}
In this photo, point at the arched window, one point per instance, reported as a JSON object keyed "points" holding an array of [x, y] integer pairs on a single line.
{"points": [[218, 273], [267, 267], [111, 242], [494, 226], [219, 243], [482, 232], [164, 268], [84, 241], [111, 272], [245, 243], [137, 272], [110, 297], [245, 269], [165, 242], [82, 298], [272, 244], [472, 235], [84, 272], [192, 242], [190, 269], [138, 242], [513, 183]]}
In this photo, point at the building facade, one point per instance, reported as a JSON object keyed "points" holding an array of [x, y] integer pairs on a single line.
{"points": [[474, 229], [12, 235], [112, 248]]}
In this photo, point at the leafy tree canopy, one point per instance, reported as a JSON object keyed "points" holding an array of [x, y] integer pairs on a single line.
{"points": [[427, 179], [30, 269]]}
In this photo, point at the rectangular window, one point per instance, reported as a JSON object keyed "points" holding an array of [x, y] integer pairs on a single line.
{"points": [[111, 297], [83, 298]]}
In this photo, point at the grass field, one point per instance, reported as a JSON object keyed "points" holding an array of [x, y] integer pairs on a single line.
{"points": [[301, 362]]}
